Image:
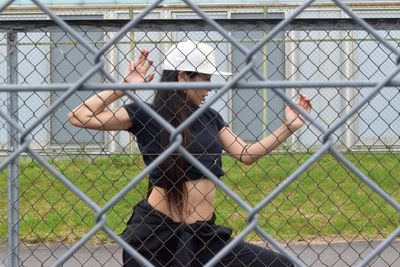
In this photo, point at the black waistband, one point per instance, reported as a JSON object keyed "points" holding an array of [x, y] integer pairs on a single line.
{"points": [[163, 227], [146, 207]]}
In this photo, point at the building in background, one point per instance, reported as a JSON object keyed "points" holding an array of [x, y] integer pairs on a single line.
{"points": [[54, 57]]}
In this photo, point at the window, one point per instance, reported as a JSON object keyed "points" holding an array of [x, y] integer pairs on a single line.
{"points": [[69, 62]]}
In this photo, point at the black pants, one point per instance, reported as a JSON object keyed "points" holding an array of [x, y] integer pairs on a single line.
{"points": [[166, 243]]}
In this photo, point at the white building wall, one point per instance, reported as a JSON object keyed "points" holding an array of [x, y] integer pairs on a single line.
{"points": [[320, 63]]}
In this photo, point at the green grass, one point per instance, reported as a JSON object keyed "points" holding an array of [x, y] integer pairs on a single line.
{"points": [[325, 202]]}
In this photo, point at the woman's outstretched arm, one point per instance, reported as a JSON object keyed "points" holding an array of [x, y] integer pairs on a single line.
{"points": [[250, 153], [94, 113]]}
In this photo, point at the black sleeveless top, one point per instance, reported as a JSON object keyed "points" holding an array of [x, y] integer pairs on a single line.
{"points": [[204, 144]]}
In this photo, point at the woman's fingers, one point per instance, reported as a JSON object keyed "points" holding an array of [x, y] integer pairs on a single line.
{"points": [[138, 68], [146, 53], [305, 103], [141, 59], [309, 106], [150, 77], [141, 64], [149, 63], [138, 61]]}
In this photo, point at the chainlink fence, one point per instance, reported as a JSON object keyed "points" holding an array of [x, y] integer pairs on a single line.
{"points": [[329, 196]]}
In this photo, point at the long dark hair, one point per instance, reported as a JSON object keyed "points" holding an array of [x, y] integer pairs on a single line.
{"points": [[173, 106]]}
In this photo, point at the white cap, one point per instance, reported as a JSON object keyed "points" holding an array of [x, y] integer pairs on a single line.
{"points": [[192, 56]]}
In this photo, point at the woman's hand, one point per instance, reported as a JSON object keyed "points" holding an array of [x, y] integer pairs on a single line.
{"points": [[293, 119], [137, 69]]}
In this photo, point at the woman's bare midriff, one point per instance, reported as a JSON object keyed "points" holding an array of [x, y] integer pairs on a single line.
{"points": [[200, 204]]}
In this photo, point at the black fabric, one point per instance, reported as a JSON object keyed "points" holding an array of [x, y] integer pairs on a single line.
{"points": [[204, 144], [167, 243]]}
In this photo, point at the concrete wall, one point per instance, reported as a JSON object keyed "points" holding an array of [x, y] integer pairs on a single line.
{"points": [[376, 125]]}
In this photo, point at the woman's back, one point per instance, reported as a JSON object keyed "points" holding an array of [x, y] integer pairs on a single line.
{"points": [[203, 144], [199, 205]]}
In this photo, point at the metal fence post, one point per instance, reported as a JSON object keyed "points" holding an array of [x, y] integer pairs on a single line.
{"points": [[13, 182]]}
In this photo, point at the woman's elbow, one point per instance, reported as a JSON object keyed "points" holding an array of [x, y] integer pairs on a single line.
{"points": [[74, 120], [248, 160]]}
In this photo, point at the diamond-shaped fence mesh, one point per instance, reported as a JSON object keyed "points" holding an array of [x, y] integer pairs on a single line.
{"points": [[328, 195]]}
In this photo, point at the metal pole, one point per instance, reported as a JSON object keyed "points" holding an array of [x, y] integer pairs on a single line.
{"points": [[13, 182]]}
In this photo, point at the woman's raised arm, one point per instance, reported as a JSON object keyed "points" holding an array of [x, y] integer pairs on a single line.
{"points": [[94, 112], [250, 153]]}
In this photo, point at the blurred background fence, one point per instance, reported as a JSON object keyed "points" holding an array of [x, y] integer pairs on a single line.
{"points": [[328, 204]]}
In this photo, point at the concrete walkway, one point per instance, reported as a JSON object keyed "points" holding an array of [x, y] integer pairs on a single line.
{"points": [[316, 255]]}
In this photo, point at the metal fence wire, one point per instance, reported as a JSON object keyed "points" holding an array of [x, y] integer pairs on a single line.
{"points": [[328, 196]]}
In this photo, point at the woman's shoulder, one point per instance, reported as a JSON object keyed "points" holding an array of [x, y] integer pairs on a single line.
{"points": [[215, 117], [135, 109], [138, 116], [212, 112], [135, 105]]}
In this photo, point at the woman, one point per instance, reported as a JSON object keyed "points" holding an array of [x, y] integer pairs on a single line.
{"points": [[175, 225]]}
